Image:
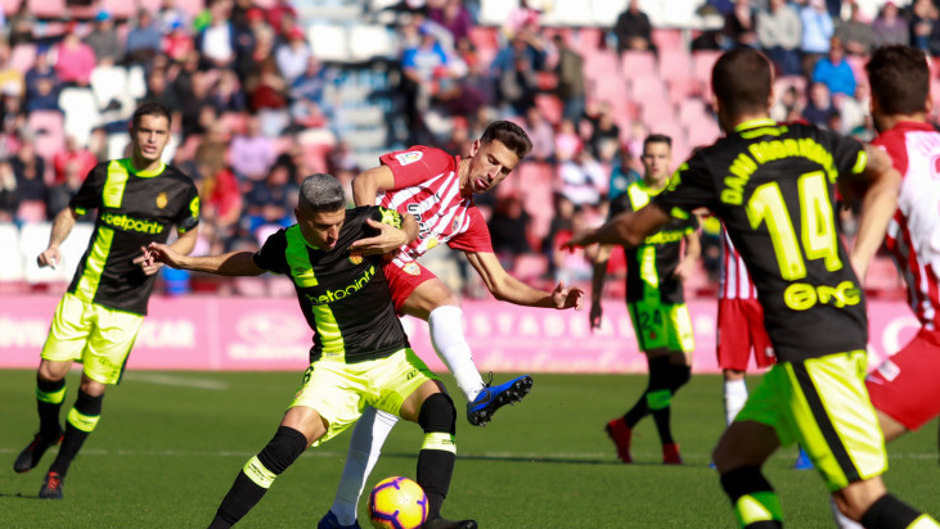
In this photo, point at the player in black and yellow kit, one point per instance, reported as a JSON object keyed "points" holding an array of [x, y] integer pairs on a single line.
{"points": [[656, 302], [139, 201], [360, 355], [773, 185]]}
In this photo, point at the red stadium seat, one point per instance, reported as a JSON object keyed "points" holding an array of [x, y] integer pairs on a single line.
{"points": [[47, 8], [23, 57], [9, 6], [638, 64], [550, 106], [49, 128], [668, 39], [530, 266], [119, 9], [675, 64]]}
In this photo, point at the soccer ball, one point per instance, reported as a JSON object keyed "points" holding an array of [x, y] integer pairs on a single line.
{"points": [[398, 503]]}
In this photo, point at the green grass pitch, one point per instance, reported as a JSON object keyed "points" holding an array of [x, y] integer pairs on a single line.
{"points": [[170, 444]]}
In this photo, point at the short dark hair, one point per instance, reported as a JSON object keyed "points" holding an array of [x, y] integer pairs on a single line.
{"points": [[321, 192], [899, 79], [741, 80], [151, 108], [510, 135], [657, 138]]}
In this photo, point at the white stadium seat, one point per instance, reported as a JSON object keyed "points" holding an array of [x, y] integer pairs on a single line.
{"points": [[11, 259]]}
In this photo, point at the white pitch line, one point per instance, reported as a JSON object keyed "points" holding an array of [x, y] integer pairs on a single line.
{"points": [[535, 456], [172, 380]]}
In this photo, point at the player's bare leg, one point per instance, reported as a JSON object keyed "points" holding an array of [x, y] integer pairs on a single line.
{"points": [[740, 453], [433, 302]]}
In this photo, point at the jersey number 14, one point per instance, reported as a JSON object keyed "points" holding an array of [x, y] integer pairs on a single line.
{"points": [[817, 226]]}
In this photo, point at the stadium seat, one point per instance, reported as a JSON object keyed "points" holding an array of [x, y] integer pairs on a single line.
{"points": [[117, 145], [119, 9], [22, 57], [637, 65], [675, 64], [11, 259], [234, 122], [9, 6], [81, 112], [109, 83], [369, 41], [669, 39], [329, 43], [47, 8], [136, 82], [530, 266], [49, 129], [647, 89], [702, 63], [599, 64], [34, 238], [550, 106]]}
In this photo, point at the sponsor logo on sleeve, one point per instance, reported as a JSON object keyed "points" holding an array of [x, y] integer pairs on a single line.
{"points": [[406, 158]]}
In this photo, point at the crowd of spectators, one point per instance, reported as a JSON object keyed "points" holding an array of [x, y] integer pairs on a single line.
{"points": [[244, 84]]}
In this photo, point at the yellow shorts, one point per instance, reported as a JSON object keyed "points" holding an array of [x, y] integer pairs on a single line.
{"points": [[823, 404], [658, 325], [98, 337], [340, 391]]}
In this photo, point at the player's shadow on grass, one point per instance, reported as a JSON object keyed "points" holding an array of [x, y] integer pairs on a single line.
{"points": [[19, 495], [521, 459]]}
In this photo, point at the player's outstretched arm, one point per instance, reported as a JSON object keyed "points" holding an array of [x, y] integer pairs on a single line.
{"points": [[183, 245], [627, 229], [389, 239], [61, 227], [504, 287], [230, 264], [879, 203], [368, 184]]}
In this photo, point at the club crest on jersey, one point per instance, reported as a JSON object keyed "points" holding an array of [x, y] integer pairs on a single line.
{"points": [[355, 257], [412, 269], [162, 200], [406, 158]]}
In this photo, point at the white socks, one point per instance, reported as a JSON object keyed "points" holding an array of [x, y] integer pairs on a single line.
{"points": [[364, 448], [735, 398], [450, 344], [843, 521]]}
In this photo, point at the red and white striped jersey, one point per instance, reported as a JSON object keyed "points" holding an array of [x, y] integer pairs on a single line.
{"points": [[427, 187], [913, 236], [734, 281]]}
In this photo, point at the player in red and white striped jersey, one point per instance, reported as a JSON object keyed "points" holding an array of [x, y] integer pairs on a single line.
{"points": [[740, 328], [437, 189], [903, 388]]}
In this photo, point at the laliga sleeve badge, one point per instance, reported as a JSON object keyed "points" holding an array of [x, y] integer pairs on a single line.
{"points": [[412, 269], [406, 158]]}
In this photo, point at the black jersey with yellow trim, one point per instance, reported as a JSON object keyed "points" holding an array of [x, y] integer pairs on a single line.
{"points": [[773, 185], [651, 265], [343, 295], [135, 208]]}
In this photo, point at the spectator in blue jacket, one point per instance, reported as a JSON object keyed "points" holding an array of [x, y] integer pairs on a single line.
{"points": [[834, 71]]}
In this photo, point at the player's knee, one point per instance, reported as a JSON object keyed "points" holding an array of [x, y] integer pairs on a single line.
{"points": [[282, 450], [438, 414], [679, 376]]}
